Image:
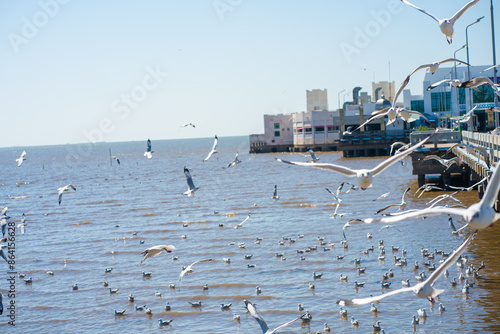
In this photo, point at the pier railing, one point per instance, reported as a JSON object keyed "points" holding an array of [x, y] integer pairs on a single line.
{"points": [[490, 142], [445, 138]]}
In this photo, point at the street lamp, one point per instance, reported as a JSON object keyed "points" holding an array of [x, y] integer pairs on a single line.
{"points": [[467, 48], [338, 97], [455, 69]]}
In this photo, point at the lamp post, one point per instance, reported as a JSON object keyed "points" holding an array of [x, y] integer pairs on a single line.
{"points": [[494, 57], [338, 97], [467, 48], [455, 69]]}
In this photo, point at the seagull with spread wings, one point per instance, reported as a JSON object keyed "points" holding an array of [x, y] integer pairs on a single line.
{"points": [[156, 250], [263, 325], [312, 154], [401, 206], [191, 188], [446, 25], [189, 269], [64, 189], [423, 289], [364, 177], [241, 224], [213, 150], [21, 159], [235, 161]]}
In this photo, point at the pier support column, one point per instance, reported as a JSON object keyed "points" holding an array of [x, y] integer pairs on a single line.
{"points": [[421, 180]]}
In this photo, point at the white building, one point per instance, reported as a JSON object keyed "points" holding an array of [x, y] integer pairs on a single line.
{"points": [[317, 100]]}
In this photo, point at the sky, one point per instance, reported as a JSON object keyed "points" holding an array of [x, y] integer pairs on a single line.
{"points": [[89, 71]]}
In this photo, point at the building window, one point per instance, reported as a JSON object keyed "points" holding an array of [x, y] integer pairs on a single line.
{"points": [[276, 125], [276, 133], [319, 128], [308, 130], [461, 96], [332, 128], [316, 108], [417, 105], [441, 101]]}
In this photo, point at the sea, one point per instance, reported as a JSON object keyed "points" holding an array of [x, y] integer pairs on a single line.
{"points": [[119, 210]]}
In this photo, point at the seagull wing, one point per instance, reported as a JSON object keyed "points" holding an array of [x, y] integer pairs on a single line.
{"points": [[188, 268], [257, 316], [1, 303], [462, 11], [423, 11], [416, 214], [449, 261], [453, 60], [189, 179], [313, 155], [376, 114], [386, 207], [284, 325], [395, 158], [434, 85], [489, 68], [362, 301], [148, 146], [332, 167], [491, 192]]}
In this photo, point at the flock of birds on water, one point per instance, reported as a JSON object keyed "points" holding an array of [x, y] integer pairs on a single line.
{"points": [[478, 216]]}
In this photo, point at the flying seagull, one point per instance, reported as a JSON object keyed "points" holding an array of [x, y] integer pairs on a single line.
{"points": [[364, 177], [423, 289], [148, 154], [188, 124], [213, 151], [241, 224], [235, 161], [312, 154], [478, 216], [401, 206], [446, 25], [21, 159], [432, 67], [263, 325], [64, 189], [191, 188], [453, 83], [478, 81], [189, 269], [156, 250], [275, 193]]}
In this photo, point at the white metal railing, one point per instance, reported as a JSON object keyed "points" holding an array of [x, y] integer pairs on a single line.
{"points": [[490, 142]]}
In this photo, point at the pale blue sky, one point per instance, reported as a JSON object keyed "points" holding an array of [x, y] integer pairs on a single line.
{"points": [[67, 80]]}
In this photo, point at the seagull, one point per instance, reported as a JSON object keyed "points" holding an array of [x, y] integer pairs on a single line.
{"points": [[453, 83], [156, 250], [424, 289], [364, 177], [431, 68], [195, 304], [213, 151], [465, 118], [120, 312], [263, 325], [21, 159], [188, 124], [445, 162], [468, 188], [275, 193], [489, 68], [148, 154], [1, 303], [403, 147], [348, 131], [234, 162], [63, 189], [189, 269], [240, 224], [164, 323], [389, 226], [225, 306], [191, 188], [312, 154], [446, 25], [478, 81], [439, 198], [336, 197], [400, 206], [115, 158]]}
